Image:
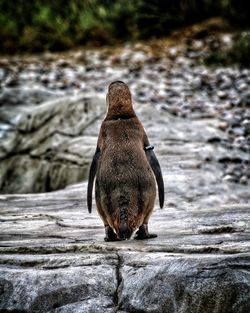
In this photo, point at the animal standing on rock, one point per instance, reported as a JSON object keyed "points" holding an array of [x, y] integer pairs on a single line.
{"points": [[124, 165]]}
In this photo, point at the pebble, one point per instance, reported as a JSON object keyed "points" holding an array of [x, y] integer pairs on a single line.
{"points": [[2, 74], [243, 180], [228, 178], [223, 125], [222, 94]]}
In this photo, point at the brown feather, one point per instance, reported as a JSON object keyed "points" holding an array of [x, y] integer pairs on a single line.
{"points": [[125, 184]]}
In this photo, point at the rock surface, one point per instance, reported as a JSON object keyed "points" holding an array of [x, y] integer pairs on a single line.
{"points": [[47, 101], [53, 257], [43, 146], [52, 254]]}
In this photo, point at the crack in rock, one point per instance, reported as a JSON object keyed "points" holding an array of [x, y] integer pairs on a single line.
{"points": [[119, 280]]}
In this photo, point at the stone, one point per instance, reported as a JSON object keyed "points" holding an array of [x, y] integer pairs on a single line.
{"points": [[168, 283], [229, 178], [245, 98], [223, 125], [53, 258], [59, 283], [26, 96], [44, 146], [243, 180]]}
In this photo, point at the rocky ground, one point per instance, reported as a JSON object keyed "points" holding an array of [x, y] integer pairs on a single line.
{"points": [[164, 75], [52, 254], [53, 258]]}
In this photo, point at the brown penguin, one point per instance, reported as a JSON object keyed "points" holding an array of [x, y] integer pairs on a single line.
{"points": [[124, 165]]}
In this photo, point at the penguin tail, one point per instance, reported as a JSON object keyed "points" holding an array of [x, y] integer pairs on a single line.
{"points": [[124, 231]]}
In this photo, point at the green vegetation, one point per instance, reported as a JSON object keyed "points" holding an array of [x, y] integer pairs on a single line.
{"points": [[239, 53], [38, 25]]}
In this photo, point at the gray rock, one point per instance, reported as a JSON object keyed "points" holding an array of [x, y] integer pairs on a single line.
{"points": [[60, 284], [243, 180], [53, 258], [26, 96], [179, 85], [167, 283], [43, 147]]}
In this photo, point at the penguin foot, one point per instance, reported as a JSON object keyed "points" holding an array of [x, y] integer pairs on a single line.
{"points": [[143, 233], [110, 234]]}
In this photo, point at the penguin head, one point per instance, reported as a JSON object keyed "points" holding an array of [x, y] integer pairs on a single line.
{"points": [[119, 101]]}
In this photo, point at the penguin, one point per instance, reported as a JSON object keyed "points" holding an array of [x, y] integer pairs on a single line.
{"points": [[125, 169]]}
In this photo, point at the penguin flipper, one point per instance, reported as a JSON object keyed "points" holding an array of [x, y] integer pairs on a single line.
{"points": [[152, 159], [92, 173]]}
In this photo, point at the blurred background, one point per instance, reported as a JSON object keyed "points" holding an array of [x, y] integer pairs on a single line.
{"points": [[59, 25], [188, 59]]}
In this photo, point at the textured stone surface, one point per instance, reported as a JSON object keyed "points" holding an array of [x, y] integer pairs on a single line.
{"points": [[187, 284], [52, 254], [44, 108], [55, 282], [43, 146], [53, 258]]}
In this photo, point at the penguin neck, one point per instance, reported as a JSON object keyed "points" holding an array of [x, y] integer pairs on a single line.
{"points": [[120, 112]]}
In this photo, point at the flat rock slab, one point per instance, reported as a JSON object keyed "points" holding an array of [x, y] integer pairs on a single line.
{"points": [[53, 258]]}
